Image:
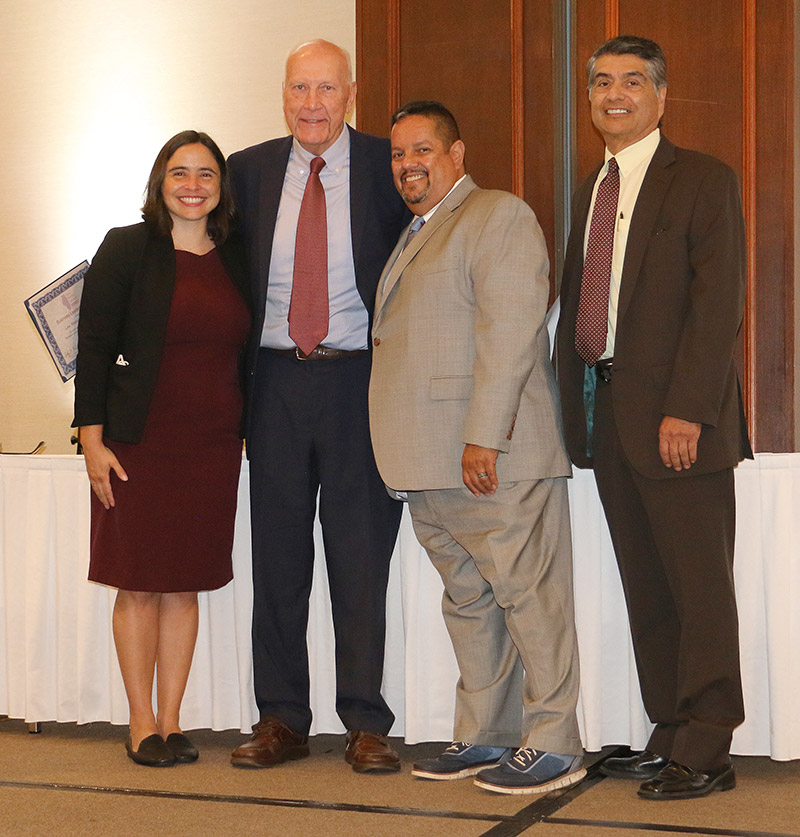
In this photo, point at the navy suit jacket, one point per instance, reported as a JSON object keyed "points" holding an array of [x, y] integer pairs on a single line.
{"points": [[680, 308], [377, 215]]}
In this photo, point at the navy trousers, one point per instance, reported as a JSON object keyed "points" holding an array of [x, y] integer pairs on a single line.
{"points": [[309, 437]]}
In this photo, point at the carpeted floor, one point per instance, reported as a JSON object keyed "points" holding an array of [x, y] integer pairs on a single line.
{"points": [[76, 780]]}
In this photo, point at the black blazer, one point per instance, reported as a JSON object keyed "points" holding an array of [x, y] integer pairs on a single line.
{"points": [[377, 216], [127, 293], [680, 308]]}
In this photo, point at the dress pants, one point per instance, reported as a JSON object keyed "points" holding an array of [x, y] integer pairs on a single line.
{"points": [[506, 563], [309, 434], [673, 539]]}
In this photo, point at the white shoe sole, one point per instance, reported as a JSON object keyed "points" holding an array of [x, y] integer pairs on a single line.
{"points": [[461, 774], [561, 782]]}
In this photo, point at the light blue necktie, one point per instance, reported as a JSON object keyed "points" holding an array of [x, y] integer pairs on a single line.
{"points": [[415, 228]]}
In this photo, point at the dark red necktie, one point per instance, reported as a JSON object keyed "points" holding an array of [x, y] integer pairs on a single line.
{"points": [[308, 309], [591, 327]]}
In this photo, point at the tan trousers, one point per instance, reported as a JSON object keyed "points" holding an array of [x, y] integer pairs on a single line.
{"points": [[506, 563]]}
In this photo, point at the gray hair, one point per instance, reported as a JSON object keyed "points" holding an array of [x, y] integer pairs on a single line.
{"points": [[649, 51]]}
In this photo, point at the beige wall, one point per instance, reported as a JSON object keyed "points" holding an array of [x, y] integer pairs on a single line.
{"points": [[89, 91]]}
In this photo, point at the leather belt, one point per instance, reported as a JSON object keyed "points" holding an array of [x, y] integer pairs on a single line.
{"points": [[320, 353], [603, 369]]}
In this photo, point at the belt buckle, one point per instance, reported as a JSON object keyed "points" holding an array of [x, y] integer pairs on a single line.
{"points": [[605, 372], [300, 354]]}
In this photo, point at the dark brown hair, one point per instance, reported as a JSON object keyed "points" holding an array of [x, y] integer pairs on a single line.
{"points": [[155, 211]]}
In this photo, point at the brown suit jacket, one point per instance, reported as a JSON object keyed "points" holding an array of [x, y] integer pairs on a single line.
{"points": [[680, 308]]}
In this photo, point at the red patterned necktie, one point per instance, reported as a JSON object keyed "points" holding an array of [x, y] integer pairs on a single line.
{"points": [[591, 328], [308, 309]]}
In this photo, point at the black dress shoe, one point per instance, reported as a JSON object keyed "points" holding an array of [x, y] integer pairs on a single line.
{"points": [[676, 781], [152, 752], [180, 747], [642, 766]]}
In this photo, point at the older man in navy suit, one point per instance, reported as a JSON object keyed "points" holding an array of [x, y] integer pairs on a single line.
{"points": [[321, 217]]}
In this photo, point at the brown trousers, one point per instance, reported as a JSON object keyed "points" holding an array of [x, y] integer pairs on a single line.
{"points": [[673, 540]]}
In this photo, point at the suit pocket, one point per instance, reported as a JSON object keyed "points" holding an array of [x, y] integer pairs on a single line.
{"points": [[451, 387]]}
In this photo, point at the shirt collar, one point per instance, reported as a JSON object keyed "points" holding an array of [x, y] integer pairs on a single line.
{"points": [[633, 155], [430, 212], [335, 157]]}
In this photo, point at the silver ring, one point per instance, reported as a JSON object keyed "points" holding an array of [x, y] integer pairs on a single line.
{"points": [[482, 476]]}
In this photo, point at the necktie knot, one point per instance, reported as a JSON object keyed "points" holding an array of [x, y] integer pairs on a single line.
{"points": [[317, 164], [418, 224]]}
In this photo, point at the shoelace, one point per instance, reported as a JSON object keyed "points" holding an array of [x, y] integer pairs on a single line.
{"points": [[525, 757], [457, 747]]}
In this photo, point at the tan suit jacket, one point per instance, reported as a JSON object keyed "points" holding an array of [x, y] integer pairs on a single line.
{"points": [[461, 354]]}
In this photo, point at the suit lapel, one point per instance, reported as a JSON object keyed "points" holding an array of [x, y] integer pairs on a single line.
{"points": [[270, 188], [401, 258], [573, 266], [360, 188], [157, 273], [648, 204]]}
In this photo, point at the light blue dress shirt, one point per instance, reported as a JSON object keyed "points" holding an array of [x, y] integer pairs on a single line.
{"points": [[348, 319]]}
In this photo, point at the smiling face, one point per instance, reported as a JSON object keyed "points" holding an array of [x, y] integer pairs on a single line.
{"points": [[626, 106], [317, 95], [191, 184], [424, 169]]}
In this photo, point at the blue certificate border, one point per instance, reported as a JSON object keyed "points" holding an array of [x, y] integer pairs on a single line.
{"points": [[34, 305]]}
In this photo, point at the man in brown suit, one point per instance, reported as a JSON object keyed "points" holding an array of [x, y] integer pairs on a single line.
{"points": [[654, 407]]}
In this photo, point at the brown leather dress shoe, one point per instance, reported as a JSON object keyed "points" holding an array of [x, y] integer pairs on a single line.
{"points": [[677, 781], [272, 742], [370, 752]]}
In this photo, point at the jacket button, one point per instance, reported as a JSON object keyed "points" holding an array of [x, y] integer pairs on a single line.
{"points": [[376, 341]]}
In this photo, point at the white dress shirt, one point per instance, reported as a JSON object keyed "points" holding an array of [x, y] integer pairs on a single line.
{"points": [[633, 163]]}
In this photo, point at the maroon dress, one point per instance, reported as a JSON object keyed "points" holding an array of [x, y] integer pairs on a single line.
{"points": [[171, 529]]}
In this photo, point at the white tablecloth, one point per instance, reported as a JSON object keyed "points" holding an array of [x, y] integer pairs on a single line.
{"points": [[57, 659]]}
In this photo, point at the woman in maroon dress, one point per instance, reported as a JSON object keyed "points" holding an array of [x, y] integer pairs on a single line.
{"points": [[158, 400]]}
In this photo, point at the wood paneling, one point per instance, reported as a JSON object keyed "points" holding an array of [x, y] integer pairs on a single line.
{"points": [[731, 92], [460, 54], [773, 218], [537, 112], [490, 62]]}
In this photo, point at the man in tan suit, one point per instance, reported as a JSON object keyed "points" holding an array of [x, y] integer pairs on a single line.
{"points": [[463, 417]]}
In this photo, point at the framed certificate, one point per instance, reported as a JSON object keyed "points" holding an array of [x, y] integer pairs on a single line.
{"points": [[54, 311]]}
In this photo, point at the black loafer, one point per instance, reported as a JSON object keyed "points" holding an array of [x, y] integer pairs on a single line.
{"points": [[641, 766], [152, 752], [676, 781], [180, 747]]}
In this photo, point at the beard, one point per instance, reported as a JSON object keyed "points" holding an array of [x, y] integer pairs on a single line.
{"points": [[419, 197]]}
